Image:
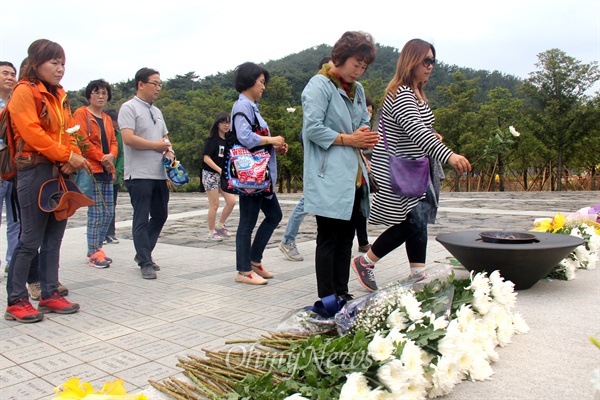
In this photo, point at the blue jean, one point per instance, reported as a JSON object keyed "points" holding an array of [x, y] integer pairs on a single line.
{"points": [[39, 230], [293, 224], [13, 225], [247, 250], [150, 202]]}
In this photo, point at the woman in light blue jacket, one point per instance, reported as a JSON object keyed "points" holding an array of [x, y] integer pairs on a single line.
{"points": [[335, 128]]}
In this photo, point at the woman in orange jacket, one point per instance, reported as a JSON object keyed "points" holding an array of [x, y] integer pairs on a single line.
{"points": [[100, 147], [47, 151]]}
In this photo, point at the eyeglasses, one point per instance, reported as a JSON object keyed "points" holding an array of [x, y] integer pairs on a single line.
{"points": [[156, 84], [100, 94], [428, 61]]}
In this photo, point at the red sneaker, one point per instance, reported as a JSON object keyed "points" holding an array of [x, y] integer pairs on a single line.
{"points": [[23, 311], [58, 304], [98, 260]]}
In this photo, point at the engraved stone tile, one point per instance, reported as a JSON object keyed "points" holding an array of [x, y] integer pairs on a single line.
{"points": [[223, 328], [46, 365], [110, 331], [166, 330], [191, 338], [30, 390], [119, 362], [131, 340], [175, 315], [17, 342], [197, 322], [156, 349], [85, 372], [74, 341], [95, 351], [139, 375], [29, 353], [5, 362], [13, 375], [143, 323]]}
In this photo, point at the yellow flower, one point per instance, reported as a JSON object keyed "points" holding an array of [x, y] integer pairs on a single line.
{"points": [[549, 225], [74, 390], [558, 221]]}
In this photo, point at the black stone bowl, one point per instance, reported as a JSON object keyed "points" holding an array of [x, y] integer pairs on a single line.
{"points": [[523, 264]]}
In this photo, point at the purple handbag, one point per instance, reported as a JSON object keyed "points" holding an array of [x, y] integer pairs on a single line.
{"points": [[409, 178]]}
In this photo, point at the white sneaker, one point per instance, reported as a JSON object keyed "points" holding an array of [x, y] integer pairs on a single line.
{"points": [[290, 251], [215, 237]]}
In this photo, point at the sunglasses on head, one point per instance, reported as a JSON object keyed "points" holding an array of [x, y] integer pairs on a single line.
{"points": [[428, 61]]}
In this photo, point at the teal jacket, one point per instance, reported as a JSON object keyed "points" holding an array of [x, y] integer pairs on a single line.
{"points": [[330, 170]]}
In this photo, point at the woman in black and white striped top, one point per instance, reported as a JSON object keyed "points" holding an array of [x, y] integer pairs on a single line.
{"points": [[408, 123]]}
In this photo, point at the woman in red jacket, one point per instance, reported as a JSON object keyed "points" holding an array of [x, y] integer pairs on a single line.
{"points": [[47, 151], [100, 148]]}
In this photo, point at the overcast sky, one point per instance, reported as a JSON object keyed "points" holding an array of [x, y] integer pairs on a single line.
{"points": [[113, 39]]}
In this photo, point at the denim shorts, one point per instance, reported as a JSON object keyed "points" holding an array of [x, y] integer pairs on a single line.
{"points": [[211, 180]]}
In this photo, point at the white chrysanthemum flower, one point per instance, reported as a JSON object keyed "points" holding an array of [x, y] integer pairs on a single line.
{"points": [[505, 328], [394, 376], [464, 317], [448, 345], [381, 348], [502, 291], [569, 266], [295, 396], [72, 130], [290, 109], [397, 319], [440, 323], [513, 131], [411, 358], [355, 388], [480, 369], [412, 306], [480, 286], [445, 376], [396, 336], [520, 324]]}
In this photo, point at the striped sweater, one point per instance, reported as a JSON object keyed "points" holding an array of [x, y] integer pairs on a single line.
{"points": [[408, 129]]}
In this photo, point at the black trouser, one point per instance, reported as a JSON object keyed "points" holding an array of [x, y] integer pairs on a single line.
{"points": [[361, 230], [39, 230], [334, 251], [413, 231], [111, 226], [150, 201]]}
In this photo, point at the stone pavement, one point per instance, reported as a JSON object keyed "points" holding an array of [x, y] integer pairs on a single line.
{"points": [[136, 329]]}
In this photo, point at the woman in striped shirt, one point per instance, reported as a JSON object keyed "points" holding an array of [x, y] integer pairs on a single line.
{"points": [[408, 123]]}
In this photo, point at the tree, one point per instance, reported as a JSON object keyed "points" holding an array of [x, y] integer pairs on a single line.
{"points": [[556, 90], [458, 122]]}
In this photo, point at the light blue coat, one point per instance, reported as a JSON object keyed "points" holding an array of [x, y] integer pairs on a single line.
{"points": [[330, 170]]}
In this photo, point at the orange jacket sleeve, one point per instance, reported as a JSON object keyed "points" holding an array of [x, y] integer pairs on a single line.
{"points": [[45, 135]]}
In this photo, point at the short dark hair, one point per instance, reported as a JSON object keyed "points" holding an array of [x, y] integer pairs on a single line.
{"points": [[246, 74], [143, 75], [369, 102], [39, 52], [221, 117], [324, 60], [96, 85], [113, 114], [8, 64], [354, 44]]}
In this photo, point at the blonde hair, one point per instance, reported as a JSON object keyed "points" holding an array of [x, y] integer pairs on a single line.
{"points": [[413, 53]]}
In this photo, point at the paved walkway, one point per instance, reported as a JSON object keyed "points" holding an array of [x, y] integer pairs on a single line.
{"points": [[135, 329]]}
